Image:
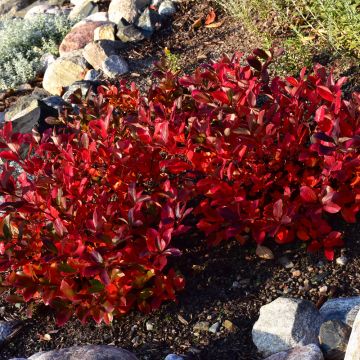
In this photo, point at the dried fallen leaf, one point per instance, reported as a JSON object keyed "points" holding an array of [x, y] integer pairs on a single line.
{"points": [[182, 320], [264, 252], [215, 25], [210, 18], [197, 23]]}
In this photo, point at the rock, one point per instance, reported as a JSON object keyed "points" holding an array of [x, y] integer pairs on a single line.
{"points": [[114, 66], [228, 325], [201, 326], [149, 21], [129, 33], [80, 86], [83, 9], [149, 326], [101, 16], [343, 309], [167, 8], [46, 60], [38, 10], [96, 53], [64, 72], [173, 357], [214, 328], [92, 75], [352, 351], [285, 262], [88, 352], [56, 102], [342, 260], [8, 329], [334, 337], [10, 7], [299, 325], [79, 37], [308, 352], [105, 32], [29, 112], [128, 10]]}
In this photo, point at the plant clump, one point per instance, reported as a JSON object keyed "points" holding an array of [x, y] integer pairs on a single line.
{"points": [[89, 225], [24, 41]]}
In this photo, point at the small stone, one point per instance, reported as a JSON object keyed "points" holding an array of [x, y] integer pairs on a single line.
{"points": [[343, 309], [309, 352], [201, 326], [228, 325], [93, 352], [342, 260], [8, 329], [149, 21], [173, 357], [92, 75], [105, 32], [114, 66], [323, 289], [296, 273], [149, 326], [334, 337], [214, 328], [299, 325], [286, 263], [129, 33], [167, 8], [83, 9]]}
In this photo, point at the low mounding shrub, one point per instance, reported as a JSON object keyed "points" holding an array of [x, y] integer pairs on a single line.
{"points": [[24, 41], [89, 224]]}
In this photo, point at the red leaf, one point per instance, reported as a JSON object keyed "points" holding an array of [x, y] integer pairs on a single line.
{"points": [[307, 194], [325, 93], [210, 18], [221, 96], [332, 208], [67, 290], [278, 209], [9, 155]]}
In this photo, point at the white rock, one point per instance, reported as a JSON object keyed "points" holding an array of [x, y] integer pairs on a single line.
{"points": [[167, 8], [84, 9], [286, 323], [38, 9], [342, 260], [309, 352], [353, 348], [114, 66], [126, 9], [149, 326], [214, 328], [343, 309]]}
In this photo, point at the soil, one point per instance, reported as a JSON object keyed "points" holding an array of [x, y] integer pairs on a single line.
{"points": [[224, 283]]}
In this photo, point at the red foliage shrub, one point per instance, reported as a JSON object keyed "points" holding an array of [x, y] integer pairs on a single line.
{"points": [[87, 225]]}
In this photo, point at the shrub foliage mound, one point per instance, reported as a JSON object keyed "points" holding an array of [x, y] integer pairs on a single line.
{"points": [[88, 225]]}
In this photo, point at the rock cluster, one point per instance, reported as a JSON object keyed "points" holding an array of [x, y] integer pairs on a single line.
{"points": [[294, 329]]}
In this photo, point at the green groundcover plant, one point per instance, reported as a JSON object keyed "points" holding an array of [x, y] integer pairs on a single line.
{"points": [[24, 41], [88, 226]]}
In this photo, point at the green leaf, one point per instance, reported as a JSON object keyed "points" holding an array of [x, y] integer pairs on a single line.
{"points": [[96, 286]]}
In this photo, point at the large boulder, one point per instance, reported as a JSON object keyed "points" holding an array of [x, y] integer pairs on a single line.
{"points": [[79, 37], [95, 53], [12, 6], [64, 71], [308, 352], [286, 323], [343, 309], [84, 9], [129, 10], [87, 352], [29, 112], [353, 348]]}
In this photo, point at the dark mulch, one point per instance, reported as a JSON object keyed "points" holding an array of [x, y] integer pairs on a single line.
{"points": [[225, 283]]}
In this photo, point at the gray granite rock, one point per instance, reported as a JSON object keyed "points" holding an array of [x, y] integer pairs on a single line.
{"points": [[81, 87], [86, 352], [129, 10], [308, 352], [56, 102], [167, 8], [129, 33], [84, 9], [114, 66], [334, 337], [92, 75], [343, 309], [29, 112], [353, 348], [149, 21], [286, 323], [173, 357]]}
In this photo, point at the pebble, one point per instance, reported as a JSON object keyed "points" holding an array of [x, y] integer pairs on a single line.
{"points": [[149, 326], [201, 326], [173, 357], [296, 273], [323, 289], [342, 260], [228, 325], [286, 263], [214, 328], [167, 8]]}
